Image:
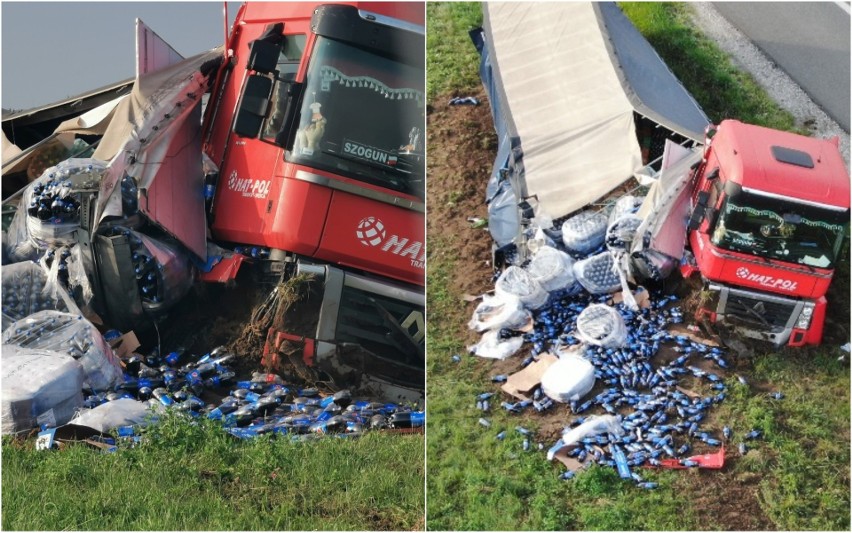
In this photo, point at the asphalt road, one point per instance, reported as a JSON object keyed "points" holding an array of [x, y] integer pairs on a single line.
{"points": [[808, 40]]}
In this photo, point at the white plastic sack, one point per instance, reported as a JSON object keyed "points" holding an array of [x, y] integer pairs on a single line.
{"points": [[552, 269], [71, 335], [17, 244], [39, 387], [498, 312], [626, 205], [584, 232], [594, 425], [516, 281], [621, 232], [491, 347], [568, 379], [601, 325], [110, 415]]}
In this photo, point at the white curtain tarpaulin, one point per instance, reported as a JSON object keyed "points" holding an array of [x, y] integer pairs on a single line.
{"points": [[570, 111], [565, 81]]}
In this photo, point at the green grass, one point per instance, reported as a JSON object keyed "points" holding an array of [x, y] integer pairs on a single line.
{"points": [[803, 458], [799, 471], [449, 46], [196, 477], [706, 71]]}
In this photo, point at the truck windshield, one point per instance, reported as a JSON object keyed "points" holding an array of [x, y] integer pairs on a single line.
{"points": [[781, 230], [362, 116]]}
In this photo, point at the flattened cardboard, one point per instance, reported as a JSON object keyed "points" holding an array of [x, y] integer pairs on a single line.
{"points": [[521, 383], [570, 462], [125, 345], [643, 300]]}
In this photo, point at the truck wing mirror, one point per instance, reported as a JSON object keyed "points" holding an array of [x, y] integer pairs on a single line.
{"points": [[263, 51], [263, 57], [253, 106]]}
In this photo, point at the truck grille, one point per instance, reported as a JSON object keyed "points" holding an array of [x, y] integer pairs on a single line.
{"points": [[758, 313]]}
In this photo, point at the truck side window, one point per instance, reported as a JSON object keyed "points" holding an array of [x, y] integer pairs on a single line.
{"points": [[288, 64], [715, 190]]}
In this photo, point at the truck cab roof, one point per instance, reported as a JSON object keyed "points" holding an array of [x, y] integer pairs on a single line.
{"points": [[411, 12], [780, 163]]}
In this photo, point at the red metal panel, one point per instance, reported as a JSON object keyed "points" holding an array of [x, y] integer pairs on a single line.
{"points": [[756, 273], [274, 338], [708, 460], [253, 207], [375, 236], [745, 154], [175, 199], [414, 12], [225, 270]]}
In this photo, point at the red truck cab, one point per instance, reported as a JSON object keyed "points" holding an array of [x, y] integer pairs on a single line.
{"points": [[316, 125], [771, 213], [320, 150]]}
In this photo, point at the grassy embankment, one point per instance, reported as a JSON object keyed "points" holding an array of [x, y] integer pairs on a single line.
{"points": [[196, 477]]}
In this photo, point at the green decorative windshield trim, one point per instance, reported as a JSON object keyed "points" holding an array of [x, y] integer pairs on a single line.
{"points": [[331, 74], [773, 215]]}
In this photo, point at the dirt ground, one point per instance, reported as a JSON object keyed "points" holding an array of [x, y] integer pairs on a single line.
{"points": [[462, 146]]}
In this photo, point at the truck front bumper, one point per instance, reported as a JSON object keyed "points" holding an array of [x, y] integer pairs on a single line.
{"points": [[768, 317]]}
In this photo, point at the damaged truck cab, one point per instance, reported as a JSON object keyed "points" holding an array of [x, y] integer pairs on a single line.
{"points": [[771, 212], [315, 123]]}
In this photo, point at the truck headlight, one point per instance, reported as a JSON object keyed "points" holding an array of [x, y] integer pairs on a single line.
{"points": [[804, 321]]}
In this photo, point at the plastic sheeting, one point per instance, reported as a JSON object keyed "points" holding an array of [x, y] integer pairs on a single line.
{"points": [[665, 211], [584, 232], [154, 133], [516, 281], [26, 291], [552, 269], [70, 335], [598, 274], [498, 312], [174, 270], [491, 346], [110, 415], [39, 387], [41, 208], [601, 325]]}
